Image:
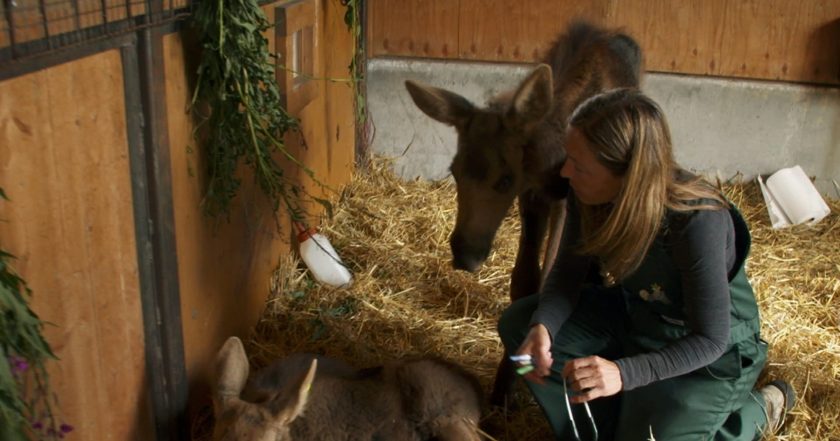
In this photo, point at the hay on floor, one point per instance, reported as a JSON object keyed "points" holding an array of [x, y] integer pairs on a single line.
{"points": [[407, 300]]}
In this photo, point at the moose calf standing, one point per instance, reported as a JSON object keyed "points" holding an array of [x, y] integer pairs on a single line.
{"points": [[513, 149], [303, 398]]}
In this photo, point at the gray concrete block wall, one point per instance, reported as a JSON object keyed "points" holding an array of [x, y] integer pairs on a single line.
{"points": [[720, 127]]}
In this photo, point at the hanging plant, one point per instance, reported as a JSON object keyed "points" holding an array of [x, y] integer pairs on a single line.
{"points": [[236, 101], [26, 403], [353, 20]]}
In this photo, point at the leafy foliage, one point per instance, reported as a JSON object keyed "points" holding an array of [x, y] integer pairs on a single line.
{"points": [[352, 18], [244, 120], [23, 354]]}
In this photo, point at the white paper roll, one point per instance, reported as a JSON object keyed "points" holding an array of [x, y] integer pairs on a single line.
{"points": [[792, 198]]}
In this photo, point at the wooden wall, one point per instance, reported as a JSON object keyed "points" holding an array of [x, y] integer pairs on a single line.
{"points": [[64, 162], [796, 41], [65, 167], [225, 266]]}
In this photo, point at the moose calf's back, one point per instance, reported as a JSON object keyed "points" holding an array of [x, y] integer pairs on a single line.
{"points": [[411, 400]]}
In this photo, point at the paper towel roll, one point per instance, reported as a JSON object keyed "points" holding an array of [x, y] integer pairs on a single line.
{"points": [[792, 198]]}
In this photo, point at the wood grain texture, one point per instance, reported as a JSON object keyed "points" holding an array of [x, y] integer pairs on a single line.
{"points": [[427, 28], [225, 265], [752, 39], [772, 40], [70, 222], [297, 38], [340, 127], [65, 166], [684, 37], [501, 30]]}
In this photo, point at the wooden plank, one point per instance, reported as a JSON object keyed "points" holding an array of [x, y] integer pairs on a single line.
{"points": [[684, 37], [427, 28], [71, 223], [224, 264], [340, 127], [774, 40], [330, 161], [756, 39], [782, 40], [296, 39], [500, 30]]}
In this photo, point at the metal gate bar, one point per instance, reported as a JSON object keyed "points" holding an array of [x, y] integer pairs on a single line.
{"points": [[37, 28]]}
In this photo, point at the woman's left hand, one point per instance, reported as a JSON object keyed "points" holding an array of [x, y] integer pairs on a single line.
{"points": [[592, 377]]}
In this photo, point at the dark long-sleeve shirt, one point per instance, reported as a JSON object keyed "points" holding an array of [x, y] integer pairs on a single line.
{"points": [[703, 251]]}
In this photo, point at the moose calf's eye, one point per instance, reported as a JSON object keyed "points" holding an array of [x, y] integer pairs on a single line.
{"points": [[503, 184]]}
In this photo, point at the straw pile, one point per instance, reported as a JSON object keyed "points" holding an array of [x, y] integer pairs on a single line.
{"points": [[406, 300]]}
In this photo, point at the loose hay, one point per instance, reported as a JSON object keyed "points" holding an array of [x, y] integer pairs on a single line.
{"points": [[407, 300]]}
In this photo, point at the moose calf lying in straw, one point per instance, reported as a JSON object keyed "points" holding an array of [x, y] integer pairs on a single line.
{"points": [[303, 398]]}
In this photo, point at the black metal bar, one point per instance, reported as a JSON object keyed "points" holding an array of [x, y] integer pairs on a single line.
{"points": [[143, 230], [76, 15], [149, 11], [362, 135], [43, 8], [71, 45], [54, 58], [104, 12], [10, 19], [166, 347]]}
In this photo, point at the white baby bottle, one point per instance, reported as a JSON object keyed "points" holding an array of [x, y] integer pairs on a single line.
{"points": [[321, 258]]}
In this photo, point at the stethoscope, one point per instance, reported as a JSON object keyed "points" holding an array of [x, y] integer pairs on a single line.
{"points": [[526, 366], [572, 417]]}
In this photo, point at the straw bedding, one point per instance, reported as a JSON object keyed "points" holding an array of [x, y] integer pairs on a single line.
{"points": [[406, 300]]}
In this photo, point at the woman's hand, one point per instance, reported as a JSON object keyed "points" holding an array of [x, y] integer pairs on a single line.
{"points": [[537, 344], [592, 377]]}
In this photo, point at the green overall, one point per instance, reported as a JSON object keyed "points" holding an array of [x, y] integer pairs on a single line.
{"points": [[644, 314]]}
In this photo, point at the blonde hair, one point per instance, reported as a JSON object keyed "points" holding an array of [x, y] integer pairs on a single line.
{"points": [[630, 136]]}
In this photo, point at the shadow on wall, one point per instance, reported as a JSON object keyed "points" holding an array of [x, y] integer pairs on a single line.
{"points": [[824, 50]]}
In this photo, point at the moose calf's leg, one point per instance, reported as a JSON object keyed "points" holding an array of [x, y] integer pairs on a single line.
{"points": [[525, 279], [503, 384], [533, 212], [556, 222]]}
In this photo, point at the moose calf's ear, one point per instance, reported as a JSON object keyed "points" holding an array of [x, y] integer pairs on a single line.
{"points": [[532, 100], [231, 371], [293, 406], [442, 105]]}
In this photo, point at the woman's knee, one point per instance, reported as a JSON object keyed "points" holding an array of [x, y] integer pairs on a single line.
{"points": [[515, 321]]}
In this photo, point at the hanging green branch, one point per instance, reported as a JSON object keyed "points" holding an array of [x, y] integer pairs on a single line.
{"points": [[26, 409], [353, 20], [242, 118]]}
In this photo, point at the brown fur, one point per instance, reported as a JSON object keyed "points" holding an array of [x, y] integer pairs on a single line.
{"points": [[411, 400], [513, 148]]}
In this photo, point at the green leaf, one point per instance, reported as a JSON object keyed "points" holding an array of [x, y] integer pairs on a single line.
{"points": [[297, 295], [327, 206]]}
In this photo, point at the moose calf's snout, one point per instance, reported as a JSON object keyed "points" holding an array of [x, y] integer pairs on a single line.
{"points": [[466, 255]]}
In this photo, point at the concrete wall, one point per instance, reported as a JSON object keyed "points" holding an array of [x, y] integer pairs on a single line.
{"points": [[720, 127]]}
